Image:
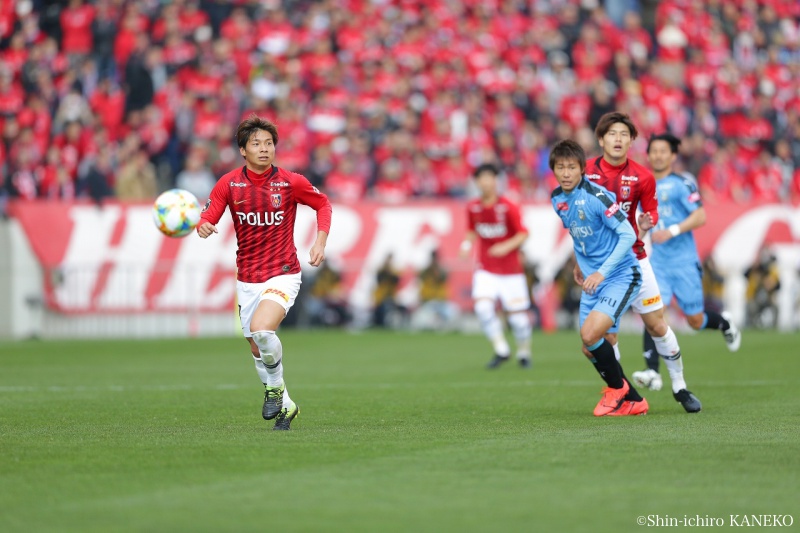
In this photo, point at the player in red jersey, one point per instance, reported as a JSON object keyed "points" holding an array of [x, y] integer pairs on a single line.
{"points": [[495, 223], [263, 199], [635, 187]]}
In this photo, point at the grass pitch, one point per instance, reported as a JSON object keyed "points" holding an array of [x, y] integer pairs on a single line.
{"points": [[396, 433]]}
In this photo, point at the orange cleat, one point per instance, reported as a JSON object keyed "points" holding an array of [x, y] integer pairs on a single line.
{"points": [[628, 408], [611, 399]]}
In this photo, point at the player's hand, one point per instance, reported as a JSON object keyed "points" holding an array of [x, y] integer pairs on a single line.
{"points": [[645, 221], [577, 275], [498, 250], [205, 229], [591, 283], [660, 236], [316, 255]]}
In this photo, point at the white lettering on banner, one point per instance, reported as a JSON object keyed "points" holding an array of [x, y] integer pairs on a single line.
{"points": [[346, 232], [189, 284], [90, 250], [739, 245], [400, 232]]}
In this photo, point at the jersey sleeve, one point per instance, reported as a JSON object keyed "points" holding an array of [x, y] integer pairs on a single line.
{"points": [[648, 198], [515, 224], [690, 197], [216, 204], [470, 219], [307, 194], [609, 210]]}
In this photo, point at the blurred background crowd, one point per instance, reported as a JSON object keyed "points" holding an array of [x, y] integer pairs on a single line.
{"points": [[391, 99]]}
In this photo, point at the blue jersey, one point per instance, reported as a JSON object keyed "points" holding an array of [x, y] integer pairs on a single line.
{"points": [[677, 199], [592, 216]]}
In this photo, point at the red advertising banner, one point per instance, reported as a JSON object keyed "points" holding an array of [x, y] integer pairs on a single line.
{"points": [[112, 259]]}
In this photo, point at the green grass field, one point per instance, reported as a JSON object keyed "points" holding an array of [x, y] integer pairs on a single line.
{"points": [[396, 433]]}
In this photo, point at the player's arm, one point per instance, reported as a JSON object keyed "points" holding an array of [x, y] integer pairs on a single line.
{"points": [[468, 242], [307, 194], [611, 215], [215, 207], [520, 234], [626, 239], [648, 201], [697, 216]]}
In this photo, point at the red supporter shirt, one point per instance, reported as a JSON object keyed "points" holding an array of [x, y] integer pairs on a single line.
{"points": [[492, 224], [263, 208], [634, 186]]}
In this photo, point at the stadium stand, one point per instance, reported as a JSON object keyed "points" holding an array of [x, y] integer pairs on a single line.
{"points": [[391, 99]]}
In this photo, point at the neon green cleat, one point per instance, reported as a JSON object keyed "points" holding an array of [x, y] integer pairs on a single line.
{"points": [[286, 416], [273, 401]]}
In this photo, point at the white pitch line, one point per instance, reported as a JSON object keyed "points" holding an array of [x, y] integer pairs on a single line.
{"points": [[322, 386]]}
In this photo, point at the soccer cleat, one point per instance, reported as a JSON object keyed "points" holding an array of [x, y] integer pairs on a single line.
{"points": [[285, 418], [612, 398], [688, 400], [733, 337], [525, 362], [496, 361], [273, 402], [648, 378], [629, 408]]}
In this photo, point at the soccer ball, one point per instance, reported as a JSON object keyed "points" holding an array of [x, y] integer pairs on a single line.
{"points": [[176, 212]]}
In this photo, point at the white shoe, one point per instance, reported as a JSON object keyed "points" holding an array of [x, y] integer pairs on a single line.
{"points": [[733, 337], [647, 378]]}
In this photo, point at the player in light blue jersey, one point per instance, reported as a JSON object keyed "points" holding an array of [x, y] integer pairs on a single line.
{"points": [[674, 257], [602, 238]]}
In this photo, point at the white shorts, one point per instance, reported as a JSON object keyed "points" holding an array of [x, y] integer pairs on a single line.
{"points": [[510, 289], [280, 289], [649, 298]]}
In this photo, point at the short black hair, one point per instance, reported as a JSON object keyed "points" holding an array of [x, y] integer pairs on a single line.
{"points": [[669, 138], [609, 119], [252, 124], [568, 150], [485, 167]]}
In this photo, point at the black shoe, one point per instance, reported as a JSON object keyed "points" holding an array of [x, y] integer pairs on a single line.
{"points": [[688, 400], [496, 361], [273, 402], [285, 418], [525, 362]]}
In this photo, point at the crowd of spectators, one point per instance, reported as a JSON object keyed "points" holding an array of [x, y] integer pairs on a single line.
{"points": [[390, 99]]}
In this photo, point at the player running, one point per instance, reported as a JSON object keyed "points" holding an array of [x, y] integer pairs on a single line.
{"points": [[602, 239], [495, 222], [674, 255], [634, 186], [263, 199]]}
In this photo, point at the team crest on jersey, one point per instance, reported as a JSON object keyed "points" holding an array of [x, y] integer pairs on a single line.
{"points": [[276, 200], [581, 214], [625, 191]]}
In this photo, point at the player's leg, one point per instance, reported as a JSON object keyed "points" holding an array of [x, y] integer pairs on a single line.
{"points": [[689, 294], [651, 307], [517, 302], [247, 296], [485, 291], [276, 297], [604, 309], [650, 377], [611, 336]]}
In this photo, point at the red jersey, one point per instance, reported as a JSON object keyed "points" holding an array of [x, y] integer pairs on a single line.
{"points": [[492, 224], [634, 186], [264, 207]]}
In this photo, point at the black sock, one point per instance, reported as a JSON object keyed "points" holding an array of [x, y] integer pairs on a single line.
{"points": [[633, 394], [650, 354], [607, 365], [715, 321]]}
